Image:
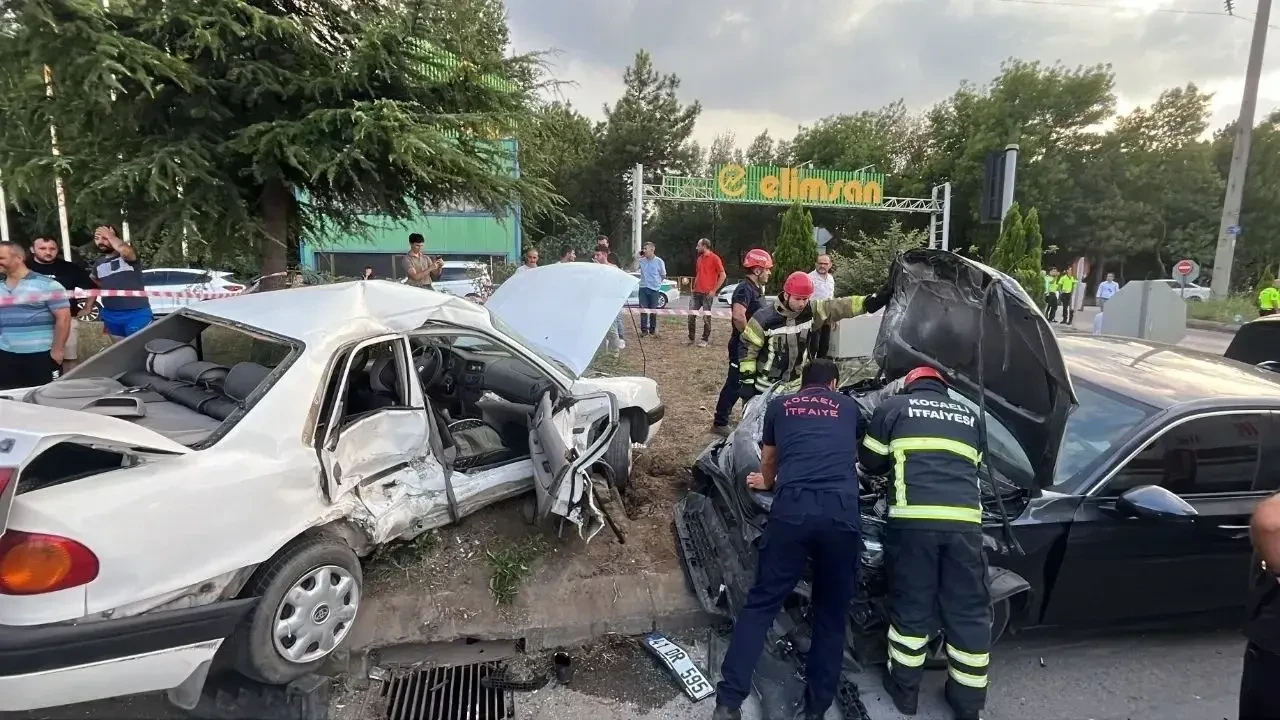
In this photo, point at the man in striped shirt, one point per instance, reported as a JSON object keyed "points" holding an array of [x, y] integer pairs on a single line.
{"points": [[33, 334]]}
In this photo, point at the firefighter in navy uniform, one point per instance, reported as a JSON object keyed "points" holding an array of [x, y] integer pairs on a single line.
{"points": [[1259, 691], [933, 542], [809, 454]]}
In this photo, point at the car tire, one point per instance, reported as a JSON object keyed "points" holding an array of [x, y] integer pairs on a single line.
{"points": [[1000, 612], [312, 559], [1194, 298], [619, 455], [94, 314], [662, 300]]}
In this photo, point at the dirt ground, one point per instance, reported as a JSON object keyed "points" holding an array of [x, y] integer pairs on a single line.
{"points": [[689, 380]]}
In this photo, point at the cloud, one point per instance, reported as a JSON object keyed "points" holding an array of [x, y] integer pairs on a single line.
{"points": [[775, 64]]}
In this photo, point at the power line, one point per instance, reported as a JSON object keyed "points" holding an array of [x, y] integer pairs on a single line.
{"points": [[1114, 8]]}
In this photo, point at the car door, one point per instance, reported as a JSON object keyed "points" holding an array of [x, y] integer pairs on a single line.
{"points": [[376, 428], [1117, 568], [568, 434]]}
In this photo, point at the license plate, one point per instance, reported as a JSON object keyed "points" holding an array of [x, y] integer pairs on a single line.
{"points": [[680, 665]]}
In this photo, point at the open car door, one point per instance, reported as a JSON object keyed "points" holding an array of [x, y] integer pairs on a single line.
{"points": [[567, 436], [377, 423]]}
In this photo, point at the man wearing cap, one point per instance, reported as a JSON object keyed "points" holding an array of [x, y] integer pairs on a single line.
{"points": [[784, 334], [934, 557], [418, 267]]}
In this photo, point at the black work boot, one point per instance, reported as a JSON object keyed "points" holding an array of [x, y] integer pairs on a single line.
{"points": [[955, 708], [907, 704], [726, 713]]}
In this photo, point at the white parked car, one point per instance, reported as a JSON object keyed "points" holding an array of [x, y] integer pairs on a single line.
{"points": [[463, 278], [1192, 292], [724, 298], [206, 487], [179, 280], [669, 289]]}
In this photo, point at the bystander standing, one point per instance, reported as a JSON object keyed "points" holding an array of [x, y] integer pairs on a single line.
{"points": [[708, 277], [530, 260], [421, 269], [615, 340], [33, 333], [652, 272], [1107, 289], [824, 283], [368, 273], [568, 254], [120, 269], [45, 260]]}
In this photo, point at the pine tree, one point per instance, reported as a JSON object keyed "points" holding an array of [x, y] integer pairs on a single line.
{"points": [[1019, 250], [253, 123], [796, 249]]}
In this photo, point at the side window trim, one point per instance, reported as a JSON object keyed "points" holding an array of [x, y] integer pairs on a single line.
{"points": [[1095, 492], [339, 404]]}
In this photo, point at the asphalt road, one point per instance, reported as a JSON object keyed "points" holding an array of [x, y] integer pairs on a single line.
{"points": [[1171, 677]]}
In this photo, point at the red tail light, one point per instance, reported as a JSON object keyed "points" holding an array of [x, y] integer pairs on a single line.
{"points": [[34, 564], [232, 288], [6, 477]]}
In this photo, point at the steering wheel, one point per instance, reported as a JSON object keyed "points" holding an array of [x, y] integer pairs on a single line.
{"points": [[428, 362]]}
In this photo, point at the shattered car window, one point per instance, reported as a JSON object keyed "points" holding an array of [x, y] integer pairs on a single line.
{"points": [[1098, 424]]}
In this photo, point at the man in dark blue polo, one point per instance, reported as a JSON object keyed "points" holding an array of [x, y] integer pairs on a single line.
{"points": [[808, 458]]}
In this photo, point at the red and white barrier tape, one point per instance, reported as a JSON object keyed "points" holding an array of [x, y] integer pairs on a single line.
{"points": [[85, 294]]}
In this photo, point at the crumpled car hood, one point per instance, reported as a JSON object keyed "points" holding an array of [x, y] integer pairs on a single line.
{"points": [[979, 327], [563, 310]]}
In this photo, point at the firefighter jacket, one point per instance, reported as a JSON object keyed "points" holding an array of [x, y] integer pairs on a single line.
{"points": [[776, 343], [930, 443]]}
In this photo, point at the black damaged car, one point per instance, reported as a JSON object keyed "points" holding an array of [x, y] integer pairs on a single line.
{"points": [[1120, 475]]}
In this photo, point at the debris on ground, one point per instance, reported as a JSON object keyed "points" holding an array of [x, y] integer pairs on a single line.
{"points": [[681, 665]]}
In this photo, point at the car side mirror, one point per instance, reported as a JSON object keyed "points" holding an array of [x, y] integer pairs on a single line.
{"points": [[1152, 502]]}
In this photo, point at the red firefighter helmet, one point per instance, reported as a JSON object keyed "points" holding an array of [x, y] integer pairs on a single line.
{"points": [[758, 258], [921, 373], [798, 285]]}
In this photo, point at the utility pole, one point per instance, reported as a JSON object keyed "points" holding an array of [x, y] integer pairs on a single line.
{"points": [[1229, 228]]}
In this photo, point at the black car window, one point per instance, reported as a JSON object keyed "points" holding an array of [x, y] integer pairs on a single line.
{"points": [[1100, 421], [1215, 454]]}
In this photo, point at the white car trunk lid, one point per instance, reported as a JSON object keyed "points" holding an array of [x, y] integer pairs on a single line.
{"points": [[27, 430]]}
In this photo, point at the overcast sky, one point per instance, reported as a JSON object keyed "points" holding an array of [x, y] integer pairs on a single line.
{"points": [[777, 64]]}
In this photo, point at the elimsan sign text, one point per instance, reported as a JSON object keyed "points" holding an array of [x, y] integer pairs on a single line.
{"points": [[763, 184]]}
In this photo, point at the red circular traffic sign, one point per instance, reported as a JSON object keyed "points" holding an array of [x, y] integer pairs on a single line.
{"points": [[1184, 267]]}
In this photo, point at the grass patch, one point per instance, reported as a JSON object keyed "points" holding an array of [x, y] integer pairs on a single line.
{"points": [[510, 565], [407, 554], [1228, 310]]}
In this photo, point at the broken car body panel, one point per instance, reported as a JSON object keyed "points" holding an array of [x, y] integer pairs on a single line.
{"points": [[979, 327], [170, 517]]}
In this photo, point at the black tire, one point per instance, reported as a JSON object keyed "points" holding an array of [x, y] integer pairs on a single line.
{"points": [[662, 300], [255, 653], [618, 456], [1000, 611]]}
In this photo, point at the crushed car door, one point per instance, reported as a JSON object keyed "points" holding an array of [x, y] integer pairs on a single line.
{"points": [[377, 423], [567, 436]]}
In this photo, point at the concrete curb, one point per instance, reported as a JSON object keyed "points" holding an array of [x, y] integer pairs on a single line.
{"points": [[1213, 325], [545, 616]]}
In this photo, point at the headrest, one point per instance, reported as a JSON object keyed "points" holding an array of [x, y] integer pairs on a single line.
{"points": [[243, 379], [202, 373], [384, 376], [165, 357]]}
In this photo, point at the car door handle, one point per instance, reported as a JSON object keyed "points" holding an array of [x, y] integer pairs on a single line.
{"points": [[1234, 532], [1233, 527]]}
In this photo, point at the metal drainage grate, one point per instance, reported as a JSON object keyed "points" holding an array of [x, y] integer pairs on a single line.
{"points": [[463, 692]]}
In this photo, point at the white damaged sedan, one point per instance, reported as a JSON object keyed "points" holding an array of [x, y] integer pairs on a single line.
{"points": [[206, 487]]}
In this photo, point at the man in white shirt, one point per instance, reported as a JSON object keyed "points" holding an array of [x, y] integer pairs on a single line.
{"points": [[824, 283], [530, 260], [1107, 289]]}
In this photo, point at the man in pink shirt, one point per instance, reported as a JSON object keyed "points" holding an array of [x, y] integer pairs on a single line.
{"points": [[707, 279]]}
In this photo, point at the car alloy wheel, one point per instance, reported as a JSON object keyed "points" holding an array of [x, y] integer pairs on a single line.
{"points": [[316, 614]]}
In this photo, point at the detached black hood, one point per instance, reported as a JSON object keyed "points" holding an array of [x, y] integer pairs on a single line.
{"points": [[1257, 341], [941, 307]]}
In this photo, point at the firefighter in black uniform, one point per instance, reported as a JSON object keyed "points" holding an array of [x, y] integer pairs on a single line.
{"points": [[1259, 692], [933, 543]]}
